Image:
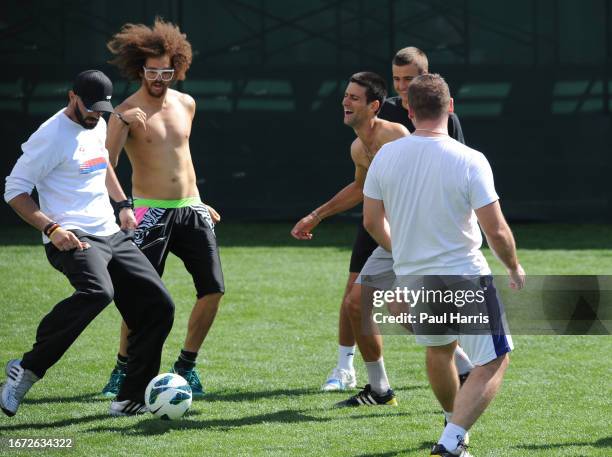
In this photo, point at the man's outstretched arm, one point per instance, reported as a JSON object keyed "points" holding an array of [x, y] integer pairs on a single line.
{"points": [[349, 197]]}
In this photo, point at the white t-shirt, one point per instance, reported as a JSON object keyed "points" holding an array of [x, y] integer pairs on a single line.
{"points": [[67, 165], [430, 187]]}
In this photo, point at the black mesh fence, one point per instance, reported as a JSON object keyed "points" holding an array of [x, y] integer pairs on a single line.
{"points": [[531, 81]]}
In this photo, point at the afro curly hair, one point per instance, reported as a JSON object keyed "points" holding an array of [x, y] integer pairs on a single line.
{"points": [[134, 43]]}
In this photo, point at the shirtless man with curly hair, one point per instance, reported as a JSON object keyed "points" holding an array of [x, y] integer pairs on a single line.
{"points": [[153, 125]]}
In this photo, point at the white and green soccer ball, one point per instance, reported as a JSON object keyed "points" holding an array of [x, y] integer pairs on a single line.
{"points": [[168, 396]]}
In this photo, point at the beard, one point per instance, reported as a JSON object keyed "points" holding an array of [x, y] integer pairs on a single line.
{"points": [[88, 122], [157, 92], [354, 120]]}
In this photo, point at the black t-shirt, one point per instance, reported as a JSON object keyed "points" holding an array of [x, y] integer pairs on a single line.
{"points": [[392, 110]]}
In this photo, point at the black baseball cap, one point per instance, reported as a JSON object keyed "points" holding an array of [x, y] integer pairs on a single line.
{"points": [[95, 89]]}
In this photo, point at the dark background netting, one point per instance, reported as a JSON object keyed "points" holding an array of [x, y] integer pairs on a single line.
{"points": [[531, 81]]}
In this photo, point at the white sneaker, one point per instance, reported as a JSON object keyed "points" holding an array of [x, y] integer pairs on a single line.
{"points": [[127, 408], [18, 382], [340, 380]]}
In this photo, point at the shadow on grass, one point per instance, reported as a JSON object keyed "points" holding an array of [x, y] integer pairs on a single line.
{"points": [[250, 396], [411, 387], [154, 426], [68, 422], [387, 412], [603, 443], [422, 447], [95, 397]]}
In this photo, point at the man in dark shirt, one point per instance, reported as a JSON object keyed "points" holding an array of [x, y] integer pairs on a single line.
{"points": [[409, 63]]}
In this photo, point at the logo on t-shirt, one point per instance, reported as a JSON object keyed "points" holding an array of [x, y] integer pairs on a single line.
{"points": [[89, 166]]}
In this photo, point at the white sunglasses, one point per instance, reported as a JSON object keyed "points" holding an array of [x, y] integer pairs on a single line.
{"points": [[153, 73]]}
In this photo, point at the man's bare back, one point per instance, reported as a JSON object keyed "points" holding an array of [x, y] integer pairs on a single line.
{"points": [[162, 168]]}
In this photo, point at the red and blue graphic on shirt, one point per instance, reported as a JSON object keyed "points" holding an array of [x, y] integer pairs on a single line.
{"points": [[89, 166]]}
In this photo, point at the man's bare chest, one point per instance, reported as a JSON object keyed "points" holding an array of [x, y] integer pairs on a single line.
{"points": [[168, 129]]}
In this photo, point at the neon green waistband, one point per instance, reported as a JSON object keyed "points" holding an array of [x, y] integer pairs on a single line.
{"points": [[180, 203]]}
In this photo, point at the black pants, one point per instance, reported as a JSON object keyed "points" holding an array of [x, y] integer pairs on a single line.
{"points": [[113, 267]]}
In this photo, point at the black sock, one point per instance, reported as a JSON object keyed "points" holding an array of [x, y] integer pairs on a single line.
{"points": [[121, 361], [186, 360]]}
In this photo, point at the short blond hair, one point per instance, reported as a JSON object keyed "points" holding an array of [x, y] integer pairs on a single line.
{"points": [[409, 55]]}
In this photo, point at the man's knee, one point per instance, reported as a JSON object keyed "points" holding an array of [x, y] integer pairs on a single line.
{"points": [[99, 295], [164, 308], [441, 352], [352, 302], [500, 363], [167, 305], [211, 299]]}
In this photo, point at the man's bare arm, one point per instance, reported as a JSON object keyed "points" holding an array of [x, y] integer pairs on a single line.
{"points": [[119, 126], [351, 195], [501, 241], [190, 105], [345, 199], [375, 222], [115, 191]]}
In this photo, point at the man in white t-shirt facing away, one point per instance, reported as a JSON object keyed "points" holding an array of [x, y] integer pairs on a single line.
{"points": [[67, 161], [434, 191]]}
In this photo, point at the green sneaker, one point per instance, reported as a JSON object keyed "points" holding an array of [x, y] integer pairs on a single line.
{"points": [[111, 389], [192, 378]]}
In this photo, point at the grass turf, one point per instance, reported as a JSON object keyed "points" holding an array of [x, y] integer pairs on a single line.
{"points": [[274, 343]]}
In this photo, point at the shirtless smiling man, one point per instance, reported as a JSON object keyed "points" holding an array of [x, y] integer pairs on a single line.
{"points": [[154, 125], [363, 98]]}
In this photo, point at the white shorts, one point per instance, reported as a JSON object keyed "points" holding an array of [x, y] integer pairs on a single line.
{"points": [[378, 270], [481, 349]]}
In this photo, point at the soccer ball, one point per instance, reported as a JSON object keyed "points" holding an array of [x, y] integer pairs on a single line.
{"points": [[168, 396]]}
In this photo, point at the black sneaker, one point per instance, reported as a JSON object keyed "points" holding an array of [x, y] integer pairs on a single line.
{"points": [[127, 408], [439, 449], [367, 397]]}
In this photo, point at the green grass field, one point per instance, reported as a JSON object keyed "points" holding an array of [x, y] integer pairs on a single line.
{"points": [[274, 343]]}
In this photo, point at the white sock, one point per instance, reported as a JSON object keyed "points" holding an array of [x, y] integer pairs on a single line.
{"points": [[377, 376], [345, 357], [451, 436], [448, 416], [462, 361]]}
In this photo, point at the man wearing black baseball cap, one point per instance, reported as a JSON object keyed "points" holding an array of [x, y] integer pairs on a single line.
{"points": [[67, 161], [90, 96]]}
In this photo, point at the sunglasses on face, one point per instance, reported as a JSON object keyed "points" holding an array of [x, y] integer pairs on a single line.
{"points": [[152, 74]]}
